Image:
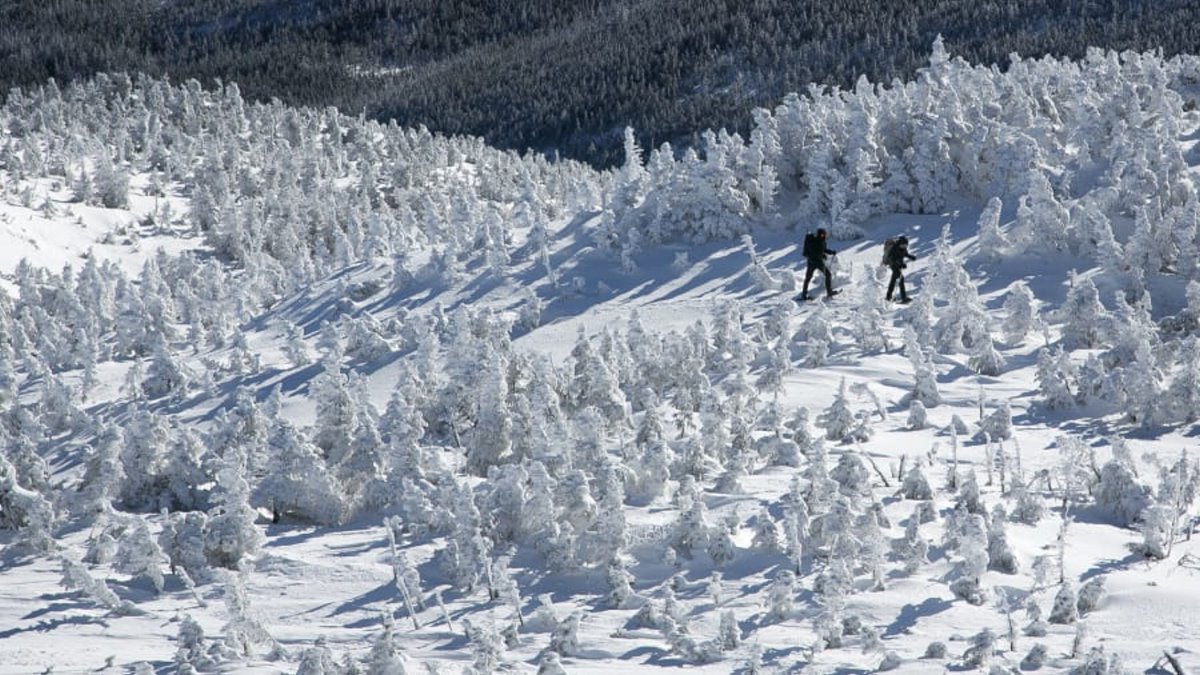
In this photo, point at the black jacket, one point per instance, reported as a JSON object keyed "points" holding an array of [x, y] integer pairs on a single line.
{"points": [[897, 256], [819, 259]]}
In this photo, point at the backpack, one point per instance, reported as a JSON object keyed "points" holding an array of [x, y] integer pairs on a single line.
{"points": [[812, 246], [888, 245]]}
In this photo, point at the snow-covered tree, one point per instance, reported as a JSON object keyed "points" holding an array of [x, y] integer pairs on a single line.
{"points": [[297, 483], [918, 416], [992, 242], [916, 485], [194, 653], [1000, 555], [972, 546], [230, 533], [985, 359], [620, 589], [818, 337], [24, 510], [1055, 375], [1064, 609], [385, 657], [852, 476], [1019, 316], [1082, 315], [838, 419], [781, 596], [139, 555], [1121, 493]]}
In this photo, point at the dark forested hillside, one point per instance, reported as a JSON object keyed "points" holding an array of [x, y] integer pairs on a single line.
{"points": [[556, 75]]}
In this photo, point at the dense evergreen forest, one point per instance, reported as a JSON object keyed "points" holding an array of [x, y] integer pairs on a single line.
{"points": [[552, 75]]}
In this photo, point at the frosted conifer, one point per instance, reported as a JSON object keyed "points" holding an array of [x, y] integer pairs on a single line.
{"points": [[925, 387], [918, 416], [1055, 375], [992, 242], [781, 596], [1000, 555], [1083, 315], [985, 359], [915, 485], [25, 510], [1019, 317], [818, 337], [297, 482], [1090, 595], [551, 664], [1119, 492], [230, 533], [385, 656], [838, 419], [565, 638], [1065, 608], [139, 555], [192, 648], [620, 590], [852, 475], [998, 424]]}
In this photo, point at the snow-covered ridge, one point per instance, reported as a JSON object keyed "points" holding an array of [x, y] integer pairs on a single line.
{"points": [[398, 399]]}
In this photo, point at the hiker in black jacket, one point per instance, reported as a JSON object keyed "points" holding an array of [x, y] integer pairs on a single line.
{"points": [[897, 259], [815, 251]]}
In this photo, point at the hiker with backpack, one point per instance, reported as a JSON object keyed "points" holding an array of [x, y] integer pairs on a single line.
{"points": [[896, 257], [815, 251]]}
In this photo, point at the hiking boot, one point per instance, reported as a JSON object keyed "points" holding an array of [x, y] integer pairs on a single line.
{"points": [[905, 300]]}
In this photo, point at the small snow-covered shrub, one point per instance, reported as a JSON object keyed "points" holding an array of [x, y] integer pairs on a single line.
{"points": [[1036, 658], [1120, 493], [1097, 662], [1090, 595], [1065, 608]]}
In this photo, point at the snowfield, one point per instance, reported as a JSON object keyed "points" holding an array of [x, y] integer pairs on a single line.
{"points": [[288, 392]]}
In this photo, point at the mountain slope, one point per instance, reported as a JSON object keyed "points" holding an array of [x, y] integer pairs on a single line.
{"points": [[342, 395]]}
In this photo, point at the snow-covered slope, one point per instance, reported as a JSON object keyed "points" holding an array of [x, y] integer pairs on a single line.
{"points": [[581, 416]]}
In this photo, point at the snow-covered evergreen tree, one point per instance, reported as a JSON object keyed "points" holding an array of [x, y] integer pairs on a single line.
{"points": [[1082, 314], [818, 337], [838, 419], [1064, 609], [781, 596], [916, 485], [1019, 316], [1000, 555], [297, 482], [24, 510], [230, 533], [139, 555], [385, 657], [1055, 375], [992, 242]]}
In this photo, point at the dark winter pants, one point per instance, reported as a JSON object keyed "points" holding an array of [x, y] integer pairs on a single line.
{"points": [[897, 275], [815, 264]]}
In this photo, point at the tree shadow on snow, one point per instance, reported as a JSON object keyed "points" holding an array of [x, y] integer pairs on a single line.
{"points": [[1112, 565], [77, 602], [53, 624], [653, 655], [376, 596], [910, 614]]}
